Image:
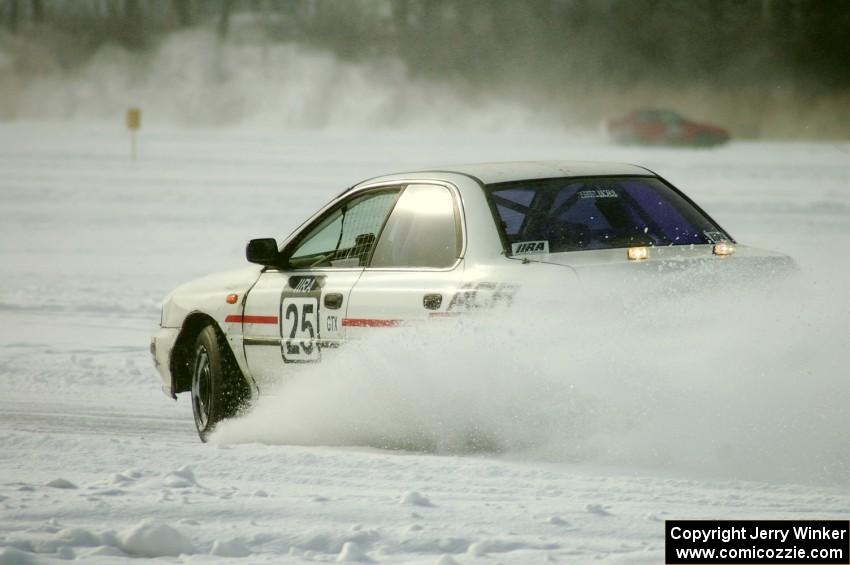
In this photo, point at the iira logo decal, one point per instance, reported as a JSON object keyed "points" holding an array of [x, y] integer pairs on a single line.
{"points": [[529, 247]]}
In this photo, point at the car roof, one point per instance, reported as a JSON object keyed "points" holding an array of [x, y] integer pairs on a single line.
{"points": [[490, 173]]}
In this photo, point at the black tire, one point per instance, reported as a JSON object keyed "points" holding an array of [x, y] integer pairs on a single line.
{"points": [[218, 388]]}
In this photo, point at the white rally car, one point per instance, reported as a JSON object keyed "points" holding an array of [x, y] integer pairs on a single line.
{"points": [[416, 245]]}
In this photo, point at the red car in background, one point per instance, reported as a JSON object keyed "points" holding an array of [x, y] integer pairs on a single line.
{"points": [[654, 126]]}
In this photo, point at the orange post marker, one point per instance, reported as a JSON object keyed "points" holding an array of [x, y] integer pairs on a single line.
{"points": [[134, 124]]}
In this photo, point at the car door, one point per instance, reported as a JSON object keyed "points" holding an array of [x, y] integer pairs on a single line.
{"points": [[417, 265], [294, 313]]}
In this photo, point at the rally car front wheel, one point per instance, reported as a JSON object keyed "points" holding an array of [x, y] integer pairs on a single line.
{"points": [[218, 388]]}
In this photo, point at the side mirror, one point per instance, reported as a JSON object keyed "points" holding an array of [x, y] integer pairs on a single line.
{"points": [[263, 252]]}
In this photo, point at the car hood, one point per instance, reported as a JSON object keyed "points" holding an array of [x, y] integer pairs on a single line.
{"points": [[232, 280], [207, 293]]}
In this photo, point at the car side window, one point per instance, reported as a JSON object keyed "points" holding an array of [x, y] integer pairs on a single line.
{"points": [[422, 231], [345, 236]]}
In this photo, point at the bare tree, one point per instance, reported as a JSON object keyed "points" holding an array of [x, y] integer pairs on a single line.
{"points": [[224, 18], [37, 11], [13, 15], [133, 24], [183, 8]]}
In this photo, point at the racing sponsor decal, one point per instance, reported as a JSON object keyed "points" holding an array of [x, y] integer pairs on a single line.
{"points": [[482, 296], [299, 319], [305, 284], [529, 247], [598, 193]]}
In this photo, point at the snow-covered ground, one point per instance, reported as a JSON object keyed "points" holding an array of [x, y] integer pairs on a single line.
{"points": [[735, 409]]}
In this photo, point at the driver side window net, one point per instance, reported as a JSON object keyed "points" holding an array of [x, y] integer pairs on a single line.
{"points": [[346, 236]]}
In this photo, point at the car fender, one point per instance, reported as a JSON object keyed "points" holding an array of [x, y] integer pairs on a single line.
{"points": [[192, 304], [209, 295]]}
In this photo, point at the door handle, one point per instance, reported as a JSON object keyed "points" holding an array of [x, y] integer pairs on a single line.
{"points": [[432, 301], [333, 300]]}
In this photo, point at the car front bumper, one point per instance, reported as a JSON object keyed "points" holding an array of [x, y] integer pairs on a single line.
{"points": [[162, 344]]}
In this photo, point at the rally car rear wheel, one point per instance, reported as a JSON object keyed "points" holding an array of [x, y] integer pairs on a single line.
{"points": [[218, 388]]}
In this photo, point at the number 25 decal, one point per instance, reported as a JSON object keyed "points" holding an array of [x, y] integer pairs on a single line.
{"points": [[299, 323]]}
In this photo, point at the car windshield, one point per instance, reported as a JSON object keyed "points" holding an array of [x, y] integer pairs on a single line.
{"points": [[554, 215]]}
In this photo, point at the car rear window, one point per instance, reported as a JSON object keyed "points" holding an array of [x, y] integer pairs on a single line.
{"points": [[555, 215]]}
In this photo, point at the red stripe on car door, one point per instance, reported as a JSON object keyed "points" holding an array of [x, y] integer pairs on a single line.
{"points": [[237, 319], [369, 323]]}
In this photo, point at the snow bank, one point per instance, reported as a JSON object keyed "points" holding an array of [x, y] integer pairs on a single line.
{"points": [[231, 548], [413, 498], [62, 483], [148, 538], [352, 552], [13, 556], [153, 539]]}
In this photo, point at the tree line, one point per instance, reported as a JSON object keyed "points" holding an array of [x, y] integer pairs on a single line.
{"points": [[511, 45]]}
